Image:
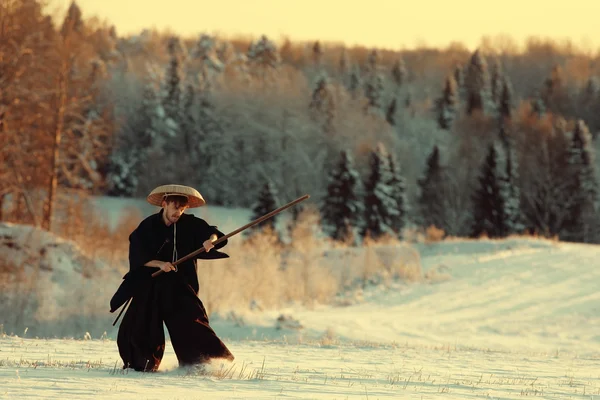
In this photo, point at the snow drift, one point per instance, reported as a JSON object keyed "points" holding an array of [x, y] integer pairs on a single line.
{"points": [[48, 286]]}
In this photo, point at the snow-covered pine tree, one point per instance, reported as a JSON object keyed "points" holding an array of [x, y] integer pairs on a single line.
{"points": [[206, 60], [373, 60], [496, 81], [397, 184], [408, 100], [122, 179], [266, 202], [188, 121], [538, 108], [510, 184], [322, 104], [447, 105], [399, 73], [589, 104], [459, 78], [432, 196], [592, 90], [342, 210], [477, 86], [380, 205], [172, 89], [354, 81], [390, 115], [263, 56], [555, 93], [201, 133], [374, 91], [505, 102], [129, 157], [583, 222], [489, 199]]}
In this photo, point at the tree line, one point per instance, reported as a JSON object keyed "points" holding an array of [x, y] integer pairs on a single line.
{"points": [[493, 141]]}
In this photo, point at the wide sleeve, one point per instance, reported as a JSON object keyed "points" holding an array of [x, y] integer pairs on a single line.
{"points": [[139, 253], [203, 231], [213, 229]]}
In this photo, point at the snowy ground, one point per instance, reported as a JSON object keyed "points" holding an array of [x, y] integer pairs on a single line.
{"points": [[494, 319], [55, 369], [504, 320]]}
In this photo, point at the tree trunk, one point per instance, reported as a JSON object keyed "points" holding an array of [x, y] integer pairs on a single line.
{"points": [[59, 124]]}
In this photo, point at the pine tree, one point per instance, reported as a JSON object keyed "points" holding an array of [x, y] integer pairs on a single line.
{"points": [[354, 81], [343, 210], [505, 100], [322, 104], [380, 205], [188, 120], [172, 95], [373, 61], [399, 73], [477, 86], [447, 105], [496, 82], [555, 93], [130, 157], [122, 174], [408, 101], [397, 184], [390, 115], [206, 60], [538, 108], [511, 190], [73, 22], [202, 132], [582, 225], [460, 82], [266, 202], [490, 198], [263, 55], [374, 93], [592, 89], [432, 210], [589, 104]]}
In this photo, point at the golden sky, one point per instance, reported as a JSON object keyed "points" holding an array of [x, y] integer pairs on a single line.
{"points": [[390, 24]]}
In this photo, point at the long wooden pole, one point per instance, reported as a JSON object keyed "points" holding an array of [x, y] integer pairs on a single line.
{"points": [[222, 238], [122, 309]]}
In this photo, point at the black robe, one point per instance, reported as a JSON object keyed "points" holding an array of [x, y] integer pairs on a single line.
{"points": [[171, 297]]}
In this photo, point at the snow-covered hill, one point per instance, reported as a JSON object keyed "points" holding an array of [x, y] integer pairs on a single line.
{"points": [[47, 285], [481, 318], [503, 294], [509, 295], [493, 319]]}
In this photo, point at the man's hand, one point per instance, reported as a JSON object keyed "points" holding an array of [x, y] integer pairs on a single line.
{"points": [[167, 266], [208, 243]]}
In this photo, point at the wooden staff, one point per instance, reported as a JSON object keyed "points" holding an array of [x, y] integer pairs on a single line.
{"points": [[122, 309], [222, 238]]}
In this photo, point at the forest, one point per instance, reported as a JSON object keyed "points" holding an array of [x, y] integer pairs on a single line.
{"points": [[493, 141]]}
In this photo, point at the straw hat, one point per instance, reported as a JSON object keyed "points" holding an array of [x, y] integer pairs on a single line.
{"points": [[156, 197]]}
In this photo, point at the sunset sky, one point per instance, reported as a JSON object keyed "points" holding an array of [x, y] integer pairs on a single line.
{"points": [[390, 24]]}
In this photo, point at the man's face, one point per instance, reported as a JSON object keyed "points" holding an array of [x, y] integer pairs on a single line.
{"points": [[172, 211]]}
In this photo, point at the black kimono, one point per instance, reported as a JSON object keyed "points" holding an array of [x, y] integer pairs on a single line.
{"points": [[171, 297]]}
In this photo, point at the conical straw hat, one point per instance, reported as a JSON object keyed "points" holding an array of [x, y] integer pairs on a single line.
{"points": [[195, 199]]}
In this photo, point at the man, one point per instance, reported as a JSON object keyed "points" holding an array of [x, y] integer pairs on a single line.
{"points": [[172, 296]]}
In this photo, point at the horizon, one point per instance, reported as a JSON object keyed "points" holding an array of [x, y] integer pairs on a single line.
{"points": [[356, 27]]}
